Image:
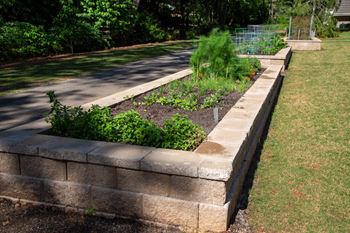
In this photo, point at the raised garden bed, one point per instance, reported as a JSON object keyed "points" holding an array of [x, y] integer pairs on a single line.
{"points": [[282, 57], [305, 45], [201, 115], [268, 47], [194, 190]]}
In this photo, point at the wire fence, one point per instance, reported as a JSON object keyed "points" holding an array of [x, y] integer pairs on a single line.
{"points": [[255, 39], [301, 28]]}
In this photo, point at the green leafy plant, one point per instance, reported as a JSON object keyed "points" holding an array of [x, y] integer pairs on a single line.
{"points": [[181, 133], [65, 120], [71, 33], [19, 39], [212, 100], [326, 25], [266, 44], [115, 15], [128, 127]]}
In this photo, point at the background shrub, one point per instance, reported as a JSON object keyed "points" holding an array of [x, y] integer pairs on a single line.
{"points": [[71, 34], [130, 127], [147, 29], [79, 37], [20, 39], [326, 25]]}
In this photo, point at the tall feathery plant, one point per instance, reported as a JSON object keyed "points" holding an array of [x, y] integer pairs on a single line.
{"points": [[215, 56]]}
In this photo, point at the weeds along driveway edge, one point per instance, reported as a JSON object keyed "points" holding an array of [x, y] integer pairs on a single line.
{"points": [[196, 191]]}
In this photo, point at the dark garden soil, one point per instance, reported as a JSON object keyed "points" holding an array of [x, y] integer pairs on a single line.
{"points": [[158, 113], [16, 218]]}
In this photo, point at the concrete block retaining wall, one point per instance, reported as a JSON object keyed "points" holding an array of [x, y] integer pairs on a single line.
{"points": [[195, 191]]}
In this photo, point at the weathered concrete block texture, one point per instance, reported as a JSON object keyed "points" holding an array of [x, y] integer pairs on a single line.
{"points": [[200, 190], [92, 174], [9, 163], [170, 211], [171, 162], [43, 168], [69, 149], [118, 202], [66, 193], [143, 182], [213, 218], [20, 187], [119, 155]]}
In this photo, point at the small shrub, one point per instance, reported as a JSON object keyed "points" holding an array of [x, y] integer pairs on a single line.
{"points": [[128, 127], [19, 39], [78, 37], [212, 100], [65, 120], [98, 124], [181, 133], [248, 67]]}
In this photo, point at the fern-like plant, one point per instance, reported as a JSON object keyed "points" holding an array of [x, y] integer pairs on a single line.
{"points": [[215, 56]]}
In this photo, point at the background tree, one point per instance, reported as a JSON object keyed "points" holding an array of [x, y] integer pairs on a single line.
{"points": [[84, 25], [321, 10]]}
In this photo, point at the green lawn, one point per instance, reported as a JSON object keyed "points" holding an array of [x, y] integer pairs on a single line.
{"points": [[302, 183], [29, 75]]}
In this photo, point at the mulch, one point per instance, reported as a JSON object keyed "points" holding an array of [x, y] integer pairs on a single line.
{"points": [[28, 218]]}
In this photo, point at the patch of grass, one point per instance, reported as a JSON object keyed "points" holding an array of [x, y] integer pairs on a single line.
{"points": [[30, 75], [302, 183]]}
